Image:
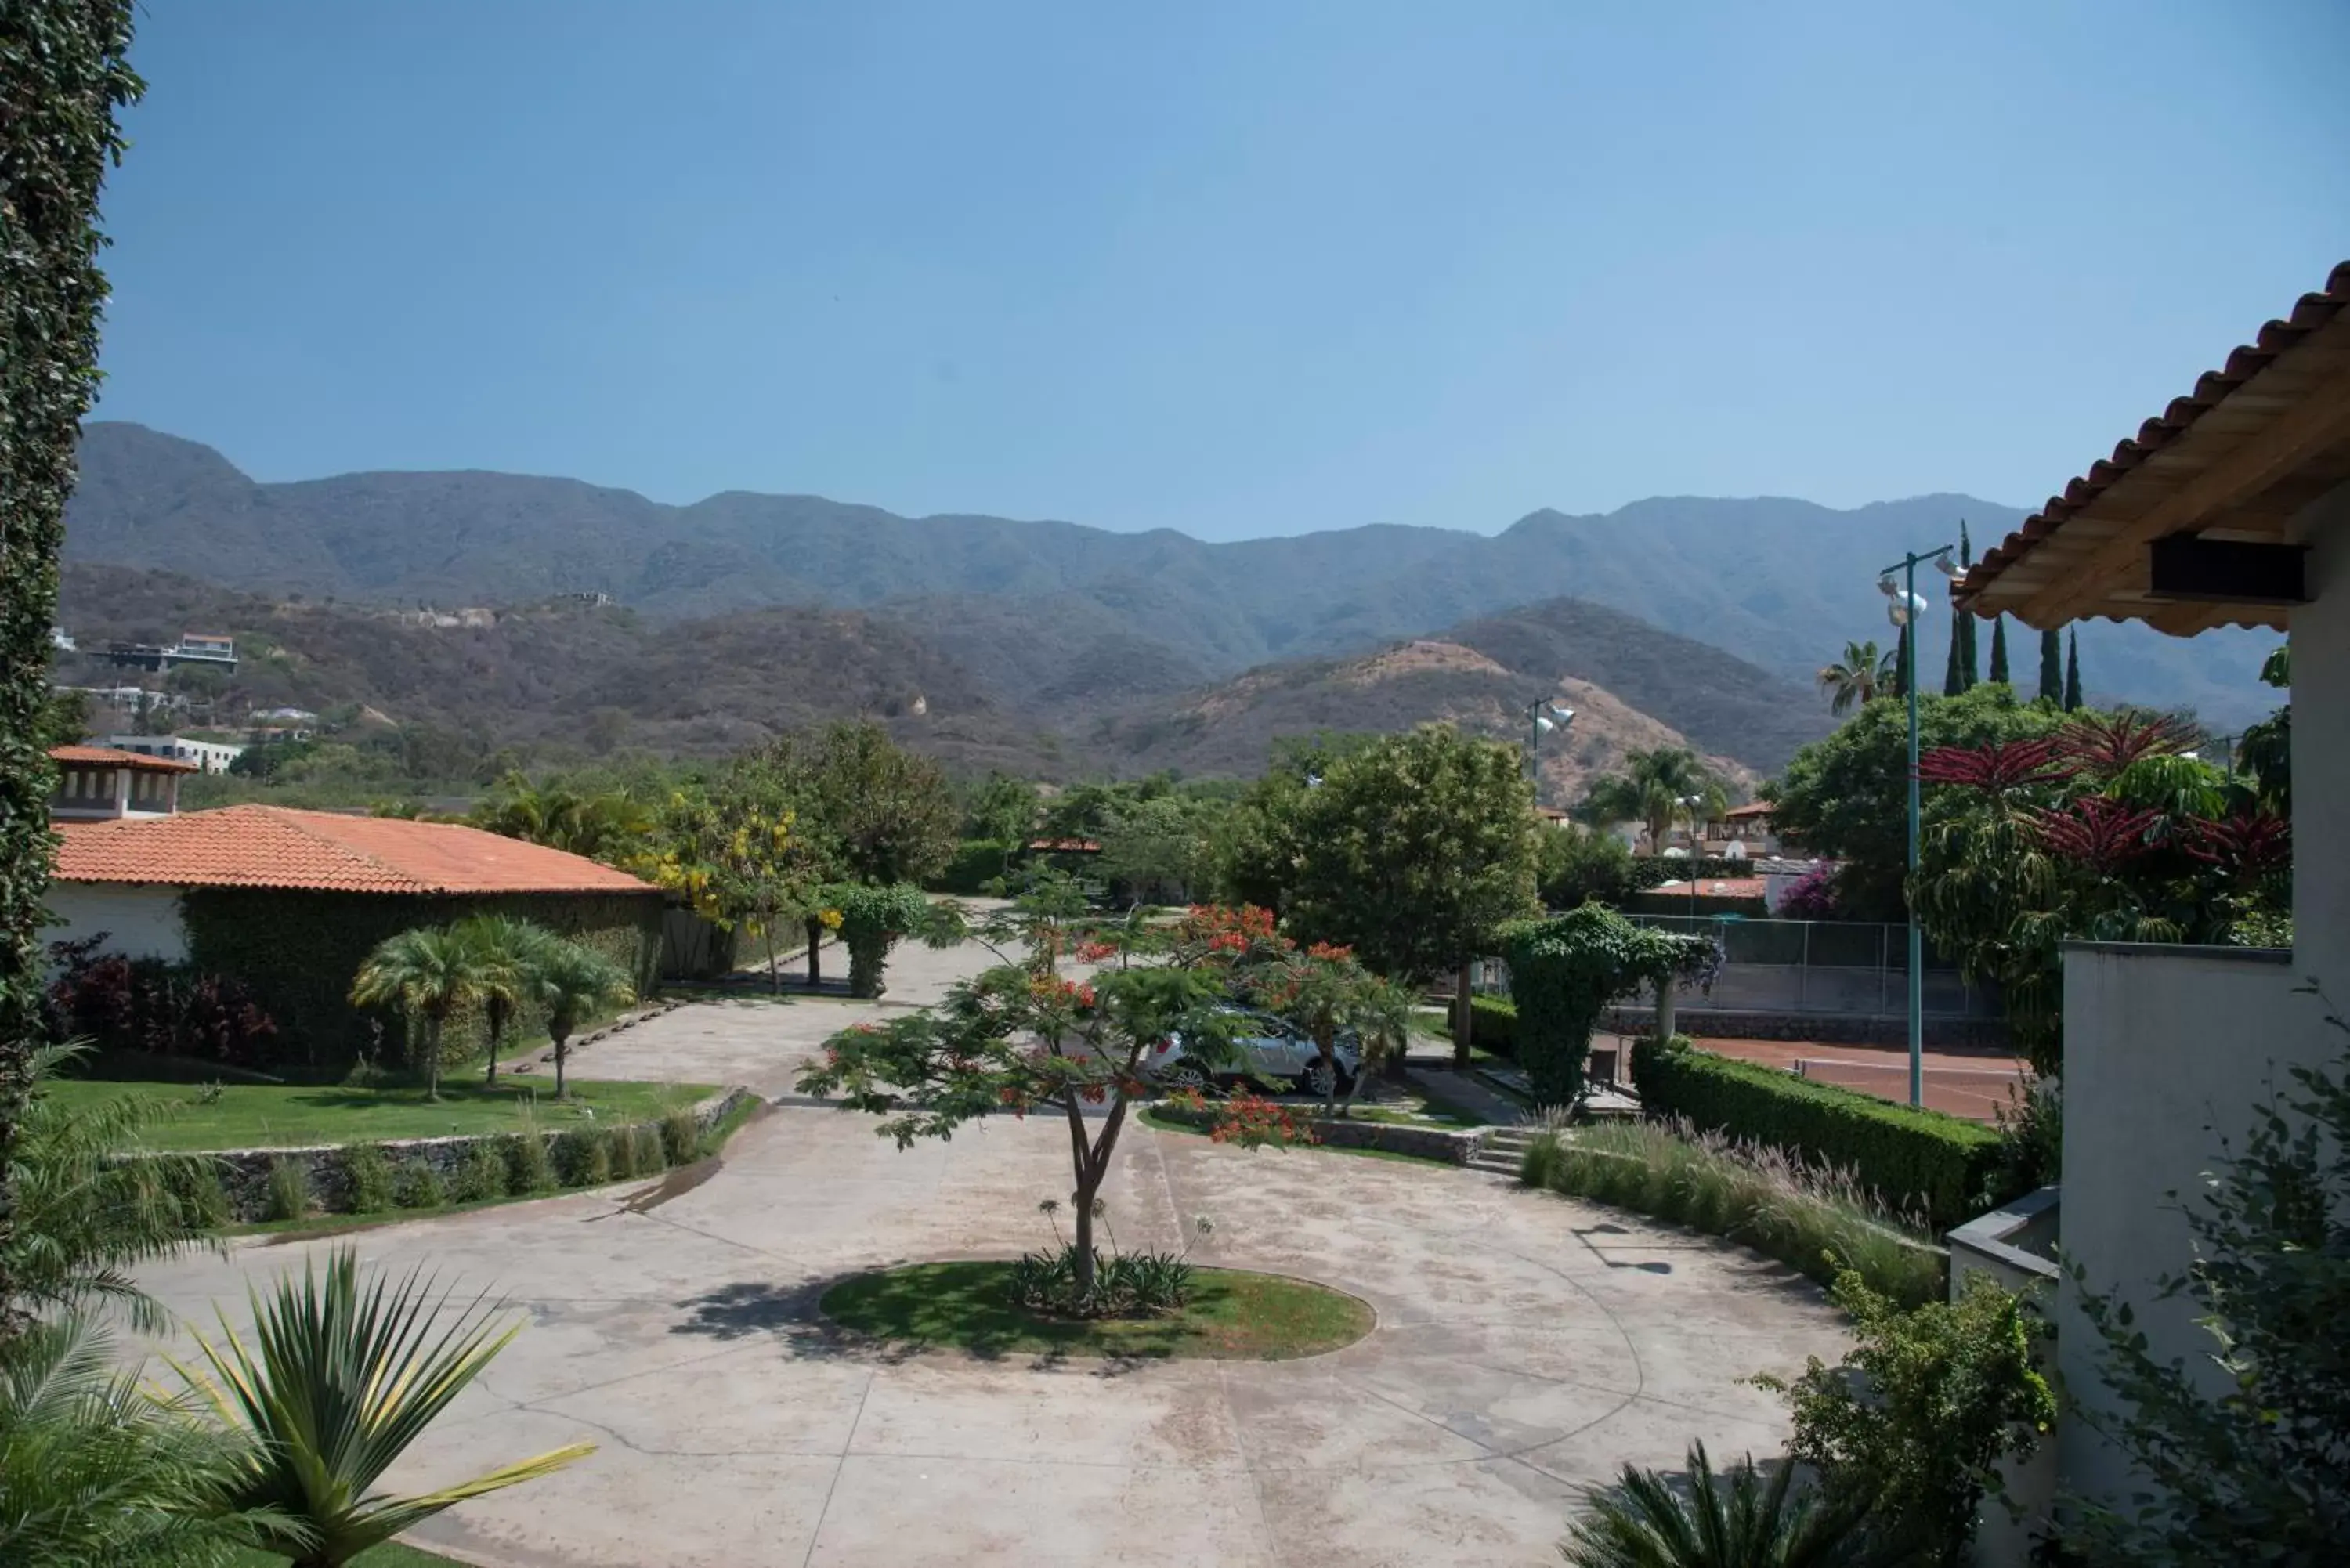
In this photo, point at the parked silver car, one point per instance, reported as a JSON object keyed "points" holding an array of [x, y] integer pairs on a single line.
{"points": [[1270, 1049]]}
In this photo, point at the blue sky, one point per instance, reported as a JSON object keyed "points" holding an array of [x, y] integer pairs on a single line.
{"points": [[1236, 269]]}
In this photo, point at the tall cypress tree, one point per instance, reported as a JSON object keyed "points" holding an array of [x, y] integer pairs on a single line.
{"points": [[2052, 668], [1901, 660], [1964, 631], [1999, 649], [63, 75], [2073, 671], [1951, 684]]}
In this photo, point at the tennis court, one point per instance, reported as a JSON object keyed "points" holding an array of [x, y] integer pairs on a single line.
{"points": [[1976, 1086]]}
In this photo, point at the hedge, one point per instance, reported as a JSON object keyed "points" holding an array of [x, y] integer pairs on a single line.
{"points": [[1494, 1027], [1911, 1157], [978, 864], [298, 952]]}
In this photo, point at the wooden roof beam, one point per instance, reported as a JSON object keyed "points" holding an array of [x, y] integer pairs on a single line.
{"points": [[2316, 422]]}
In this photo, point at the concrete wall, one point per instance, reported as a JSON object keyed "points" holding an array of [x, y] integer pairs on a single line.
{"points": [[141, 920], [2166, 1051], [2321, 749]]}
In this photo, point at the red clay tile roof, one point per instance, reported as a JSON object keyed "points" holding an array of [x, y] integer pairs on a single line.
{"points": [[1067, 845], [2310, 312], [109, 757], [1753, 808], [275, 847]]}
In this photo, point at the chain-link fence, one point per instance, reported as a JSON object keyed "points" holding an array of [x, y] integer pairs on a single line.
{"points": [[1808, 966]]}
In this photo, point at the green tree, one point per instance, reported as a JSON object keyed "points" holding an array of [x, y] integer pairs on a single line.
{"points": [[2255, 1469], [1412, 852], [1328, 993], [738, 850], [426, 974], [2264, 751], [1578, 864], [1020, 1037], [611, 826], [1999, 671], [1912, 1426], [2072, 670], [571, 983], [1744, 1521], [506, 953], [1657, 788], [890, 814], [64, 76], [1846, 797], [337, 1383], [874, 918], [1161, 849], [1861, 675], [2052, 670], [1002, 809]]}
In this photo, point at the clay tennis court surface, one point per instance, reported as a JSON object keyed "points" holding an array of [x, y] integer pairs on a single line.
{"points": [[1974, 1085]]}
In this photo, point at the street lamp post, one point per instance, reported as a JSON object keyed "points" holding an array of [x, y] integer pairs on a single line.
{"points": [[1902, 611], [1543, 716], [1689, 803]]}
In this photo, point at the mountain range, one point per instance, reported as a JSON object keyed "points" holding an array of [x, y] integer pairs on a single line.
{"points": [[1117, 641]]}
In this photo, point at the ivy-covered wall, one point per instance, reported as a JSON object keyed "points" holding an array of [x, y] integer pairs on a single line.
{"points": [[298, 952]]}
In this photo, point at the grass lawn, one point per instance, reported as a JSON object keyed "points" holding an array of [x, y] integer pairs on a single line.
{"points": [[288, 1115], [1232, 1316]]}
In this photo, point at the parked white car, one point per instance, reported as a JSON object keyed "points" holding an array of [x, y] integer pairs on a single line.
{"points": [[1269, 1048]]}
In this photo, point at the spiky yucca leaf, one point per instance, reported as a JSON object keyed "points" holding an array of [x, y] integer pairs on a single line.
{"points": [[336, 1384]]}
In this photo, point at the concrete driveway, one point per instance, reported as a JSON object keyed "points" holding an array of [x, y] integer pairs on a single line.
{"points": [[1525, 1345]]}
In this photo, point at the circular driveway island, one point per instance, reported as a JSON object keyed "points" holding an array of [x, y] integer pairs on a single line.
{"points": [[1526, 1347]]}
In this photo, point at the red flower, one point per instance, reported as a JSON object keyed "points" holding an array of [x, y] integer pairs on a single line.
{"points": [[2097, 832], [1331, 952], [1094, 952], [2245, 846], [1996, 769]]}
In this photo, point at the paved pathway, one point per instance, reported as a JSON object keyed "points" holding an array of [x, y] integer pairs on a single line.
{"points": [[1525, 1345]]}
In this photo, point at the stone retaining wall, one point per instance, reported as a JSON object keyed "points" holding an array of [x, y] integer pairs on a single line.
{"points": [[1828, 1028], [1428, 1143], [245, 1172]]}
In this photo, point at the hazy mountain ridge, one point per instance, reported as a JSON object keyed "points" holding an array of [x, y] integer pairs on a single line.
{"points": [[1779, 583]]}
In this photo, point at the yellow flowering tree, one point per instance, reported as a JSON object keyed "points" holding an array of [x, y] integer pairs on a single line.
{"points": [[733, 850]]}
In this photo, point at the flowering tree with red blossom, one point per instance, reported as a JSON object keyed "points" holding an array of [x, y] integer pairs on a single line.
{"points": [[1025, 1037], [1326, 991]]}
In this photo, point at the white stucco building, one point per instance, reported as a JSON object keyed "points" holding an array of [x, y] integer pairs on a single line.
{"points": [[2231, 508], [100, 784], [208, 756]]}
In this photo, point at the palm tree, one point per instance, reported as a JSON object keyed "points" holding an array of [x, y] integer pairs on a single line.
{"points": [[427, 973], [1656, 787], [1646, 1523], [571, 982], [96, 1469], [83, 1213], [506, 953], [335, 1384], [1860, 676]]}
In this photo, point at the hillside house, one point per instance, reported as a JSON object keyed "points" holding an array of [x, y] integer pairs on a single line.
{"points": [[105, 783], [291, 901], [203, 649], [2231, 508], [207, 756]]}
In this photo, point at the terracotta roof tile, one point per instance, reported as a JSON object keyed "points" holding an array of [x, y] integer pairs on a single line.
{"points": [[1716, 888], [2310, 312], [275, 847], [113, 757]]}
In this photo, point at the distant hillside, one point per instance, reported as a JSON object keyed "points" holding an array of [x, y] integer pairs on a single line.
{"points": [[1779, 583], [1632, 687]]}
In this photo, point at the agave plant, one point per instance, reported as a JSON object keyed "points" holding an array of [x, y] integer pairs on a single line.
{"points": [[337, 1383], [1749, 1522]]}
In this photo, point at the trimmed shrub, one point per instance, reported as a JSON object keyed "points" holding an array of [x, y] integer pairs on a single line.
{"points": [[1495, 1028], [621, 1151], [680, 1136], [647, 1153], [289, 1190], [194, 1183], [583, 1156], [482, 1176], [978, 866], [1942, 1166], [1564, 970], [528, 1169], [368, 1179], [420, 1187]]}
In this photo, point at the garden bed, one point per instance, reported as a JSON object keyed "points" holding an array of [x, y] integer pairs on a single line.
{"points": [[1232, 1316], [295, 1116]]}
